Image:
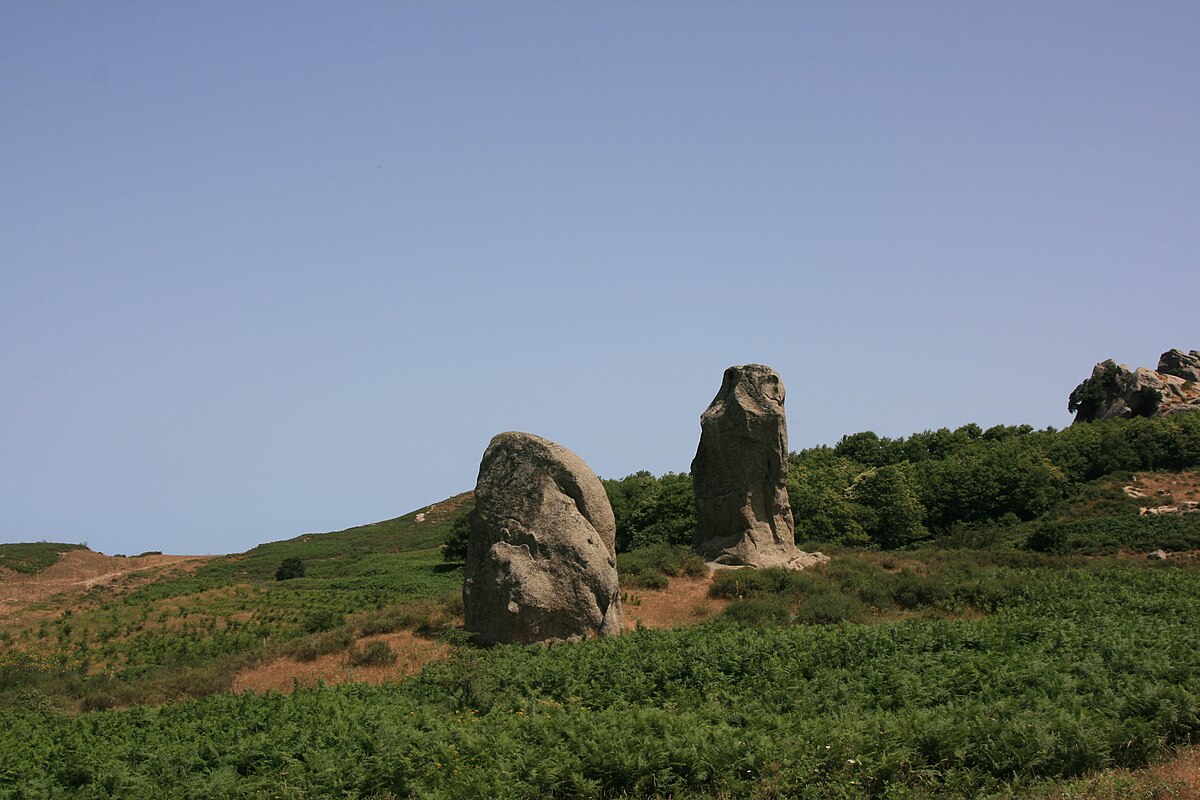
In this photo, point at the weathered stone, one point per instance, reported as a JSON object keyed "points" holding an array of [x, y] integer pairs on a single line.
{"points": [[1189, 507], [743, 516], [541, 559], [1181, 364], [1114, 391]]}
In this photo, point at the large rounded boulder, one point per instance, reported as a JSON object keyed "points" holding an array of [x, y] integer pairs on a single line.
{"points": [[541, 557]]}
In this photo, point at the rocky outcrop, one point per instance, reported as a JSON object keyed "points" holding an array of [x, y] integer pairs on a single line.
{"points": [[1190, 507], [1180, 364], [743, 516], [541, 559], [1114, 391]]}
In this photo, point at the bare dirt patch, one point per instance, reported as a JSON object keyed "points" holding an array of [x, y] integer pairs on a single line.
{"points": [[448, 508], [1171, 487], [1175, 779], [285, 674], [75, 572], [685, 601]]}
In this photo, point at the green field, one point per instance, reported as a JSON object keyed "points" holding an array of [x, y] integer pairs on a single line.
{"points": [[1078, 668]]}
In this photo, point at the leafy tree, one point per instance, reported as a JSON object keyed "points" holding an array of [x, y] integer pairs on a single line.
{"points": [[941, 443], [869, 449], [817, 485], [290, 567], [652, 510], [455, 550], [970, 430], [988, 482], [888, 507]]}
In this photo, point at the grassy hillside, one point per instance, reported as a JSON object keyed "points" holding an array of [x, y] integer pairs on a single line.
{"points": [[339, 555], [33, 557], [188, 635]]}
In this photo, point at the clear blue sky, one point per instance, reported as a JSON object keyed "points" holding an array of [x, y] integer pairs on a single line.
{"points": [[278, 267]]}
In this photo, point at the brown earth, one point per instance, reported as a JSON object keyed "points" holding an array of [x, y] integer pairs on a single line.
{"points": [[1175, 779], [285, 674], [1172, 487], [685, 601], [75, 573], [448, 508]]}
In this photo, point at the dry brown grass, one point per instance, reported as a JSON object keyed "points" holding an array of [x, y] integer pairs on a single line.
{"points": [[1175, 779], [285, 674], [1181, 487], [75, 573], [448, 508], [685, 601]]}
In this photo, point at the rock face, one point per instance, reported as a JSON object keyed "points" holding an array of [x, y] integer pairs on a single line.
{"points": [[740, 475], [1114, 391], [1180, 364], [541, 559]]}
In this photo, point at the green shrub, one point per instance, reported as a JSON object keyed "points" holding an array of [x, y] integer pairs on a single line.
{"points": [[312, 647], [1113, 533], [322, 619], [645, 580], [746, 582], [418, 615], [913, 591], [649, 567], [289, 568], [828, 608], [375, 654], [455, 550], [757, 611]]}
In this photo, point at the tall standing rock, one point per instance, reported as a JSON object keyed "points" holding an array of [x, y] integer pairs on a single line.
{"points": [[541, 558], [743, 516]]}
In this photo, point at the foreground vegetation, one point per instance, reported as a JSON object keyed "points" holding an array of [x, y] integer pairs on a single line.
{"points": [[1076, 668]]}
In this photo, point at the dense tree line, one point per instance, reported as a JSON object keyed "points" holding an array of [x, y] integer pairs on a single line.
{"points": [[874, 491]]}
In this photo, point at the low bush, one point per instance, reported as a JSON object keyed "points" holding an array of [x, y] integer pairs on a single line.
{"points": [[312, 647], [853, 587], [322, 619], [375, 654], [290, 568], [645, 580], [649, 567], [829, 608], [1111, 534], [757, 611], [744, 583]]}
